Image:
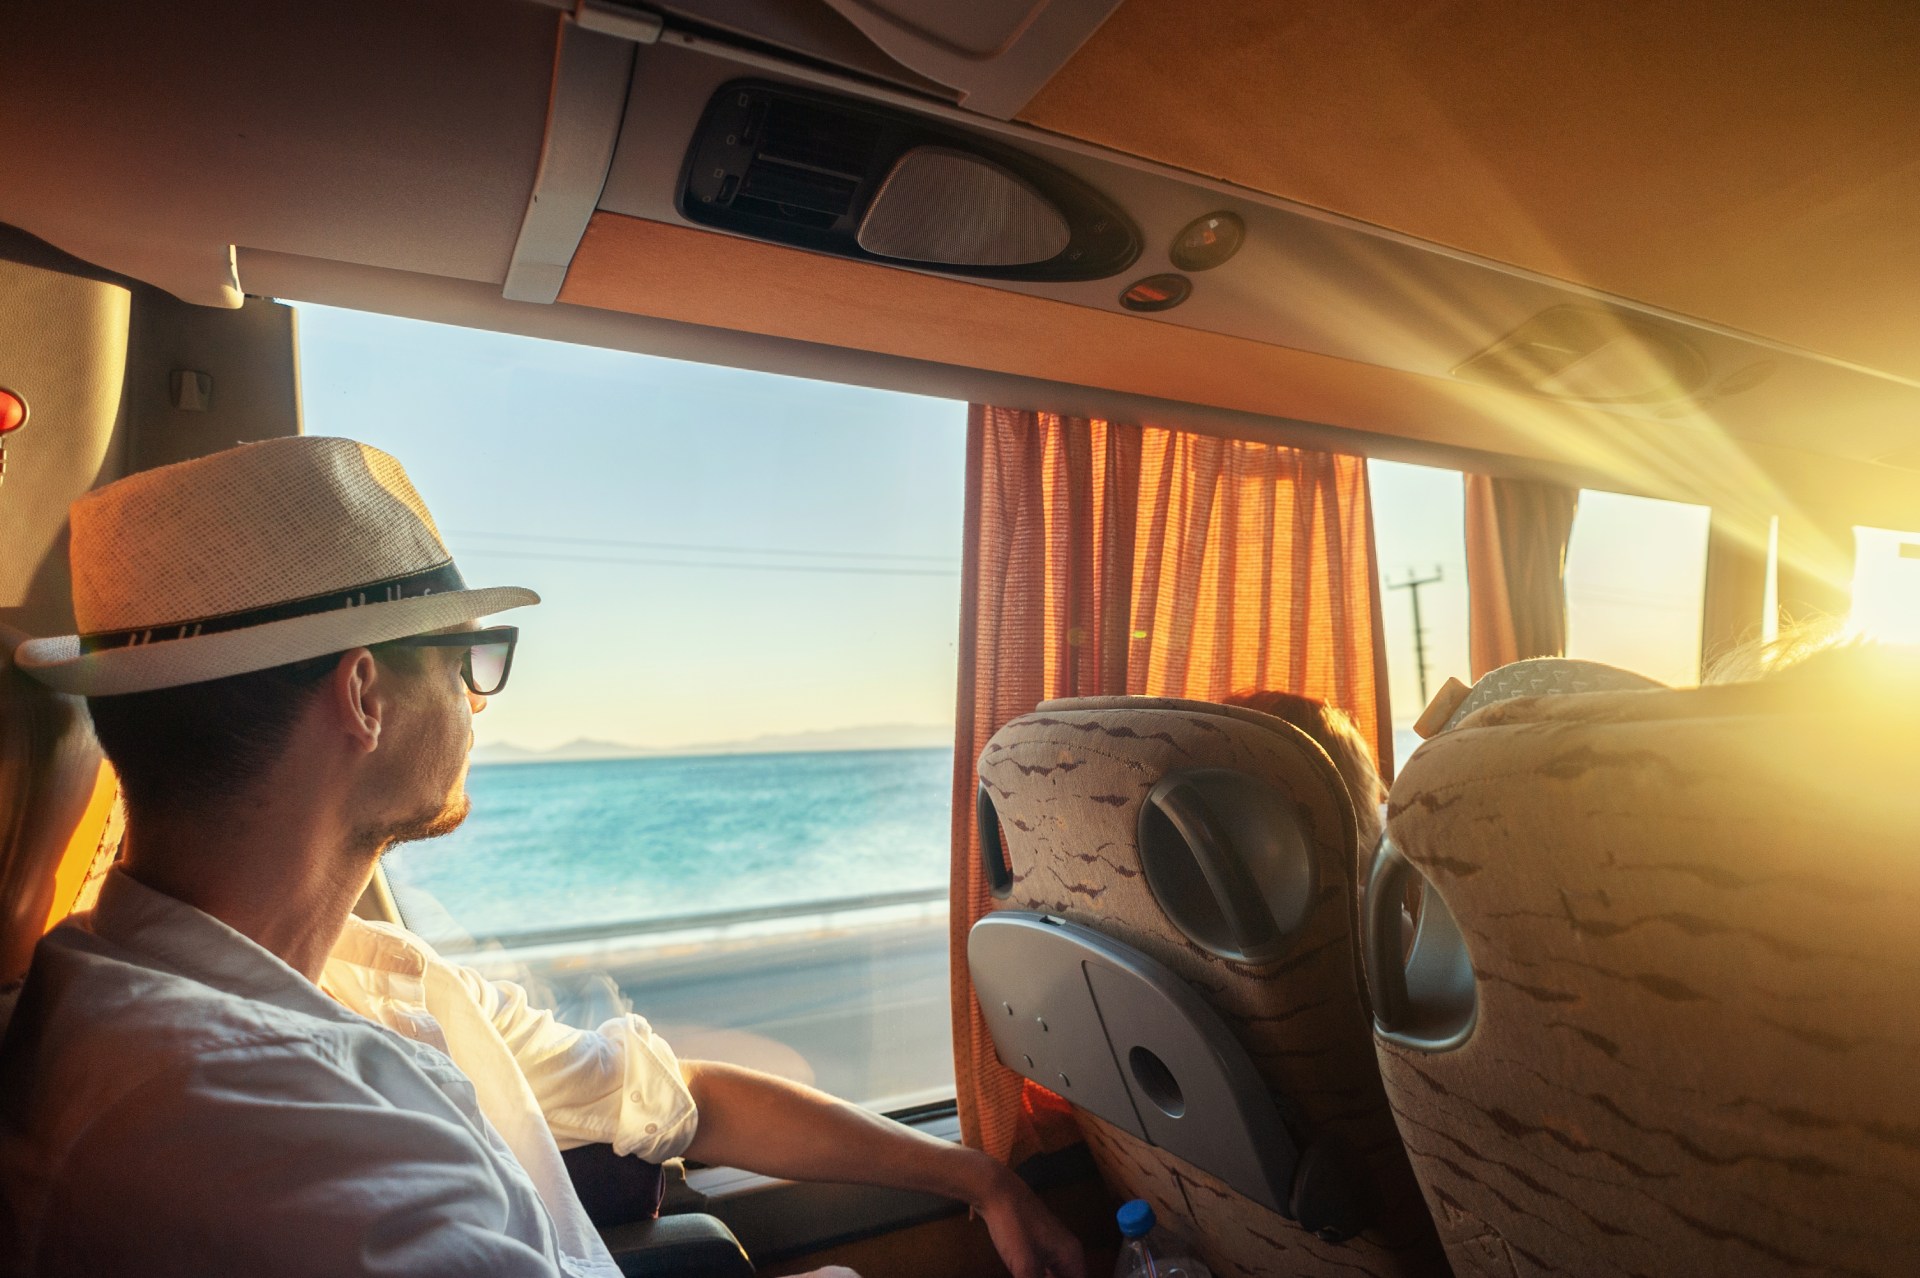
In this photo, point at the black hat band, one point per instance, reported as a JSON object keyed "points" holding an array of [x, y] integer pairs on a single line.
{"points": [[434, 581]]}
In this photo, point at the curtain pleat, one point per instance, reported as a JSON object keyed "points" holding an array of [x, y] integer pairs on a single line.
{"points": [[1106, 558], [1517, 532]]}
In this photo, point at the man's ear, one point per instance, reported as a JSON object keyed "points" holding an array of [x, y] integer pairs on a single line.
{"points": [[359, 699]]}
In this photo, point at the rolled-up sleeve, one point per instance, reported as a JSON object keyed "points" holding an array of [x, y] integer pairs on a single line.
{"points": [[619, 1084]]}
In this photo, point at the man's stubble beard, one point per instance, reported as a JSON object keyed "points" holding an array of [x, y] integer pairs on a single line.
{"points": [[444, 819], [445, 822], [431, 826]]}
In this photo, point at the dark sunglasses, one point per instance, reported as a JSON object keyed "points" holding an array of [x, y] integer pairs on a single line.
{"points": [[488, 658]]}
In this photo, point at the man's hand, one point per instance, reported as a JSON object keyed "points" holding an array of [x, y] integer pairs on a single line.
{"points": [[756, 1122], [1031, 1241]]}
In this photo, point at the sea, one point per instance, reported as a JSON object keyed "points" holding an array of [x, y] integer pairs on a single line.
{"points": [[580, 844], [584, 843]]}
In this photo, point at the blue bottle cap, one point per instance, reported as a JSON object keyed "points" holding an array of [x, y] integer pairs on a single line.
{"points": [[1136, 1219]]}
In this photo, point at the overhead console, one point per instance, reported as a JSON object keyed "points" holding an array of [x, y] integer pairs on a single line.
{"points": [[817, 172], [741, 144]]}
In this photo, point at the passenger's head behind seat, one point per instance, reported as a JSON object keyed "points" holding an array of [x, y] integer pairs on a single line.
{"points": [[1333, 731]]}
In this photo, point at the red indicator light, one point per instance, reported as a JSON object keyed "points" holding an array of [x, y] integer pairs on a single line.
{"points": [[13, 411], [1157, 293]]}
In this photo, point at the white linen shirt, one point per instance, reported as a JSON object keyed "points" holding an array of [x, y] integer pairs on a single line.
{"points": [[174, 1099]]}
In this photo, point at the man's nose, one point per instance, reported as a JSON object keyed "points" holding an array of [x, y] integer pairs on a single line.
{"points": [[475, 701]]}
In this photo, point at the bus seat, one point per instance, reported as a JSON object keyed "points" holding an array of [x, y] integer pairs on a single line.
{"points": [[1659, 1016], [60, 818], [1136, 818]]}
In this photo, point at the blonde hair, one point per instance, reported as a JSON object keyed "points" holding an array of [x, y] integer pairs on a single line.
{"points": [[1760, 658], [1335, 733]]}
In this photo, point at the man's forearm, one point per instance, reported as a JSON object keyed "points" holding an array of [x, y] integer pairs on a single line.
{"points": [[764, 1124]]}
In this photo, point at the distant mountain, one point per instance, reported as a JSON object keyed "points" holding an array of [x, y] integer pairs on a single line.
{"points": [[885, 736], [507, 752]]}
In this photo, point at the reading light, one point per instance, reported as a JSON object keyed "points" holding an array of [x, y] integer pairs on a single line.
{"points": [[1208, 241]]}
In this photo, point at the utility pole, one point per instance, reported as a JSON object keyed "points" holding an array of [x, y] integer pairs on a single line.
{"points": [[1412, 586]]}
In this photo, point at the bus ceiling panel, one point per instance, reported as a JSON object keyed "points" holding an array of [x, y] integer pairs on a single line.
{"points": [[150, 138], [1153, 373], [1752, 165]]}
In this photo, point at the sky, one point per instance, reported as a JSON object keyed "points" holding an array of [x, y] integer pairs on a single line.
{"points": [[726, 554], [585, 473], [1636, 567]]}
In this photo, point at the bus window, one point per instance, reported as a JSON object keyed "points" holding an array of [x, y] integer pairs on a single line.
{"points": [[1886, 585], [717, 792], [1419, 518], [1636, 576]]}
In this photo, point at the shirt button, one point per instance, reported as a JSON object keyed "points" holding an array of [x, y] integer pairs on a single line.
{"points": [[639, 1096], [652, 1128]]}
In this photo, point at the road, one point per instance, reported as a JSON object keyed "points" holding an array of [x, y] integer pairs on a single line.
{"points": [[857, 1011]]}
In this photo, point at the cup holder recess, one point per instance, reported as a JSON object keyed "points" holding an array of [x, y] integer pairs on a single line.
{"points": [[1227, 859], [1157, 1082]]}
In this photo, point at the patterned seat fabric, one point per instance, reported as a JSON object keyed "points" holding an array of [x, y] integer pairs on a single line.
{"points": [[1546, 676], [1068, 783], [1691, 919]]}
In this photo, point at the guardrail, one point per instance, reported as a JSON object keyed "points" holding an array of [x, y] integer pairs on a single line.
{"points": [[687, 922]]}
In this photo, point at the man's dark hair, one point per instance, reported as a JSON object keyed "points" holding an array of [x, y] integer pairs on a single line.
{"points": [[203, 741]]}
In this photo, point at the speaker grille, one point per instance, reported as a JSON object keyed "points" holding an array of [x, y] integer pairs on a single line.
{"points": [[941, 205]]}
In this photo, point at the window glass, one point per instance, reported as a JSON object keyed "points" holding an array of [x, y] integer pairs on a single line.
{"points": [[717, 789], [1886, 585], [1419, 521], [1636, 577]]}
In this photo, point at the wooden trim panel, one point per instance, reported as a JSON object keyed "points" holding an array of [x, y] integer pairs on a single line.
{"points": [[642, 267]]}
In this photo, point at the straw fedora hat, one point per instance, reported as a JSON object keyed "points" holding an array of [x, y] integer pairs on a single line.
{"points": [[250, 558]]}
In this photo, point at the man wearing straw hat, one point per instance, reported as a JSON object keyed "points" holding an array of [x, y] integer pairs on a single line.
{"points": [[219, 1069]]}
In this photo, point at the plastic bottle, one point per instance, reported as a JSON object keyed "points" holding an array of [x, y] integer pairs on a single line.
{"points": [[1146, 1252]]}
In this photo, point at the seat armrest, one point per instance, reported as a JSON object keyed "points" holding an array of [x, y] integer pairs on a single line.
{"points": [[691, 1246]]}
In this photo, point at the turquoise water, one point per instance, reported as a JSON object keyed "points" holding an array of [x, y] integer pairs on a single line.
{"points": [[560, 844]]}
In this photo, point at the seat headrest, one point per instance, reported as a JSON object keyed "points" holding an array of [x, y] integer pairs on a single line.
{"points": [[1543, 677], [59, 798]]}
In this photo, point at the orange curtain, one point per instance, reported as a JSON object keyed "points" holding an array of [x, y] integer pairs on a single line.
{"points": [[1106, 558], [1517, 531]]}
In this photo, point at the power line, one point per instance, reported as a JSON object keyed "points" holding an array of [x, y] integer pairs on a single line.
{"points": [[849, 569], [719, 550]]}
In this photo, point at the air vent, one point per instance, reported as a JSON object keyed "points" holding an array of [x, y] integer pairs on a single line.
{"points": [[823, 173], [807, 166], [1591, 355]]}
